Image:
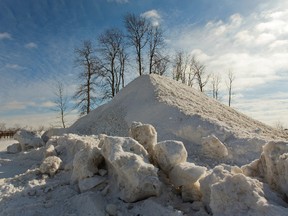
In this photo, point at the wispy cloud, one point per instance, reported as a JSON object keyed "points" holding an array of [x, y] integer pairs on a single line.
{"points": [[153, 16], [119, 1], [5, 35], [253, 47], [13, 66], [31, 45]]}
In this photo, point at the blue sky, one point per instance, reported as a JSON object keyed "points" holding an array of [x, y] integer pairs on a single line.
{"points": [[38, 38]]}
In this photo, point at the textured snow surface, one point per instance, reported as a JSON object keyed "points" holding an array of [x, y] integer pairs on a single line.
{"points": [[113, 174]]}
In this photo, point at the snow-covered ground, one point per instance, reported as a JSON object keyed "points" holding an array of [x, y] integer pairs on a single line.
{"points": [[199, 173]]}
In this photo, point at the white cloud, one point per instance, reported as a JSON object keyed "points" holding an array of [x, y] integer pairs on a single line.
{"points": [[13, 66], [31, 45], [119, 1], [16, 105], [5, 35], [48, 104], [153, 16]]}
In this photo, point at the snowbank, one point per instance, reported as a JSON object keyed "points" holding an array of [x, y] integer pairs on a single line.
{"points": [[181, 113]]}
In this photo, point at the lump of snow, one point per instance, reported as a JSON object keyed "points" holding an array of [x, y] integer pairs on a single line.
{"points": [[69, 144], [89, 183], [217, 174], [14, 148], [169, 153], [53, 132], [272, 166], [213, 147], [145, 134], [241, 195], [85, 163], [50, 165], [50, 151], [127, 162], [28, 140], [186, 173]]}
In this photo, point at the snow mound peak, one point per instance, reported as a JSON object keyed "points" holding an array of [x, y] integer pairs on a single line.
{"points": [[179, 112]]}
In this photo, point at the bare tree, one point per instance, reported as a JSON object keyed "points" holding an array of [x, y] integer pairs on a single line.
{"points": [[201, 76], [215, 81], [160, 64], [123, 57], [137, 28], [156, 45], [111, 44], [181, 62], [61, 102], [85, 94], [231, 78]]}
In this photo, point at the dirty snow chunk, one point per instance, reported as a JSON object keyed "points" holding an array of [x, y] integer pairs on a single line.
{"points": [[215, 175], [127, 162], [85, 163], [272, 165], [213, 147], [89, 183], [169, 153], [14, 148], [186, 173], [69, 144], [145, 134], [28, 140], [50, 165], [53, 132], [241, 195], [50, 151]]}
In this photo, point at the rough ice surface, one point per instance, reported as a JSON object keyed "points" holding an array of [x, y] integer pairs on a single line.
{"points": [[14, 148], [213, 147], [182, 179], [50, 165], [186, 173], [145, 134], [272, 166], [28, 140], [241, 195], [128, 163], [169, 153], [85, 163]]}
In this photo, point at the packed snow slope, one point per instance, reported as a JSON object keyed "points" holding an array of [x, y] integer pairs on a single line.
{"points": [[181, 113]]}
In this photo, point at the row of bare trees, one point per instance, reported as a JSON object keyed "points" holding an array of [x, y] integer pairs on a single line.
{"points": [[190, 71]]}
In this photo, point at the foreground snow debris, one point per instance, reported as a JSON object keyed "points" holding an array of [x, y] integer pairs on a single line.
{"points": [[28, 140], [14, 148], [213, 147], [272, 166], [145, 134], [169, 153], [128, 164], [241, 195], [50, 165]]}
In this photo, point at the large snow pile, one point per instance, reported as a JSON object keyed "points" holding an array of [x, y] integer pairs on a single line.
{"points": [[179, 112], [115, 162]]}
